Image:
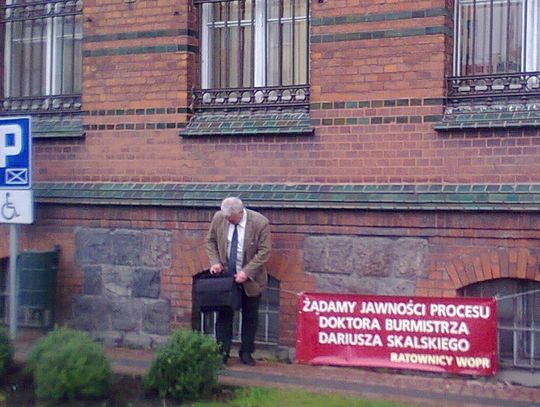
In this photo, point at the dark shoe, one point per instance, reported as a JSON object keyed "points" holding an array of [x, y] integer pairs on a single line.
{"points": [[225, 358], [246, 359]]}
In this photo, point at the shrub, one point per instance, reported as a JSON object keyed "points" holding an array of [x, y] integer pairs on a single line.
{"points": [[68, 364], [6, 351], [185, 368]]}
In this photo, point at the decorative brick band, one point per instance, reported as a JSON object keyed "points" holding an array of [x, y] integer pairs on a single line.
{"points": [[377, 103], [373, 35], [139, 35], [367, 18], [149, 111], [141, 50], [136, 126], [368, 120], [462, 197]]}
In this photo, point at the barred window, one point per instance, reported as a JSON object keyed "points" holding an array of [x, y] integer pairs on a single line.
{"points": [[268, 327], [256, 49], [497, 36], [518, 319], [254, 43], [42, 55]]}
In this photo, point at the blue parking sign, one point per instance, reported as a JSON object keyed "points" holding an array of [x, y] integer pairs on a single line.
{"points": [[15, 153]]}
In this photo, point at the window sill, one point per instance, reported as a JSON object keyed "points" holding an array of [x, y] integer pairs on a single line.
{"points": [[57, 126], [246, 123], [508, 115], [492, 101]]}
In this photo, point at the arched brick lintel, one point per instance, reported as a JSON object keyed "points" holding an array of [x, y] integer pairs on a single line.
{"points": [[520, 263]]}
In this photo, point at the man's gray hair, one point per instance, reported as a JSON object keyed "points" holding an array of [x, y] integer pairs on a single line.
{"points": [[231, 205]]}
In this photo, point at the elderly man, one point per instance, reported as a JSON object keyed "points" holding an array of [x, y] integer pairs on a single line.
{"points": [[238, 243]]}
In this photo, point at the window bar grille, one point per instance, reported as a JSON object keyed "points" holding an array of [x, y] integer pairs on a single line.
{"points": [[21, 76], [62, 36], [491, 37], [221, 49], [309, 42], [252, 59], [37, 41], [9, 14], [74, 43], [474, 39], [201, 30], [31, 59], [217, 77], [465, 59], [533, 334], [507, 36], [524, 33], [270, 63], [42, 88], [240, 8], [239, 333], [51, 32], [266, 42], [228, 44], [499, 345], [293, 46], [265, 313], [515, 332], [214, 44], [280, 42]]}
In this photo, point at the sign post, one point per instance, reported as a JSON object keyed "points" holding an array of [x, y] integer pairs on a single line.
{"points": [[16, 201]]}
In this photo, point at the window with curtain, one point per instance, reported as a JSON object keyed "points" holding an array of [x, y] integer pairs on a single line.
{"points": [[254, 43], [42, 54], [497, 36]]}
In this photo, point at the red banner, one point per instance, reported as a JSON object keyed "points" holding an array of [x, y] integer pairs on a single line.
{"points": [[454, 335]]}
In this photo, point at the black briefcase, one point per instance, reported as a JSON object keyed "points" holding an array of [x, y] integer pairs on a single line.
{"points": [[216, 292]]}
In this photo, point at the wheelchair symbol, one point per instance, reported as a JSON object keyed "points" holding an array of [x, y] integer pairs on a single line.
{"points": [[8, 210]]}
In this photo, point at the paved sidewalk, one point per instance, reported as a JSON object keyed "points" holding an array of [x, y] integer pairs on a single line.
{"points": [[416, 388]]}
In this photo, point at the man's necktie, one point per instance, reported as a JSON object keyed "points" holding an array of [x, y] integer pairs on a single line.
{"points": [[234, 251]]}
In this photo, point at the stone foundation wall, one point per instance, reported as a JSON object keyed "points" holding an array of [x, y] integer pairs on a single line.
{"points": [[374, 265], [120, 300]]}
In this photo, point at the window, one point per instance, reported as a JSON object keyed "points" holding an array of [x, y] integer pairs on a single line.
{"points": [[496, 65], [268, 328], [42, 55], [518, 319], [497, 36], [259, 48]]}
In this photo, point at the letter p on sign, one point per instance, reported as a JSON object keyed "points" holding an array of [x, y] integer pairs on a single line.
{"points": [[10, 142]]}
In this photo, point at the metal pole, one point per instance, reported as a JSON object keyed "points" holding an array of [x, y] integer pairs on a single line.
{"points": [[13, 294]]}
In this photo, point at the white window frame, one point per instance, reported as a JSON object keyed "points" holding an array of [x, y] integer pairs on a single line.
{"points": [[530, 60], [260, 57], [52, 49]]}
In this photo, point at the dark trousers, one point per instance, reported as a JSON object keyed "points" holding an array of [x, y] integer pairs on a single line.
{"points": [[250, 319]]}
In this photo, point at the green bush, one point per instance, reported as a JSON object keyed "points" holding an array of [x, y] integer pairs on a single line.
{"points": [[185, 368], [68, 364], [6, 351]]}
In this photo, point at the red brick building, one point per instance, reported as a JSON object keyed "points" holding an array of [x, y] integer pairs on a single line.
{"points": [[394, 145]]}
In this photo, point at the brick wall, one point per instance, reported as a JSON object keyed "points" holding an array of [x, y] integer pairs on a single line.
{"points": [[461, 249], [377, 89], [377, 85]]}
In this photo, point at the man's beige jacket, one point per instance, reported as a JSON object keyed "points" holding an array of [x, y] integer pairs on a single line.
{"points": [[257, 245]]}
